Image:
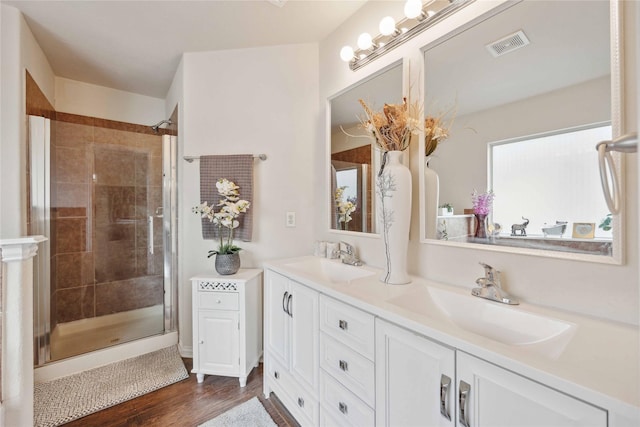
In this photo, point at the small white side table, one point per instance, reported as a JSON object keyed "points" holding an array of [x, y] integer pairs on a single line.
{"points": [[227, 324]]}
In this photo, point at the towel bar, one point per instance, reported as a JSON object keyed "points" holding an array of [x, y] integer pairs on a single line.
{"points": [[190, 159]]}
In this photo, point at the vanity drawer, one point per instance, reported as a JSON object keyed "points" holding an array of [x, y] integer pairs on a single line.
{"points": [[219, 300], [302, 405], [351, 369], [341, 406], [347, 324]]}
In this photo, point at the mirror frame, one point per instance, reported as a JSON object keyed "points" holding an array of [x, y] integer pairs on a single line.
{"points": [[618, 128], [327, 180]]}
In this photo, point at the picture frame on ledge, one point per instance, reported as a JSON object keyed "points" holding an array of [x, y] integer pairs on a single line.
{"points": [[584, 230]]}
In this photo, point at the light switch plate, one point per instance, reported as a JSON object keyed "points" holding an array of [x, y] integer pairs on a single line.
{"points": [[291, 219]]}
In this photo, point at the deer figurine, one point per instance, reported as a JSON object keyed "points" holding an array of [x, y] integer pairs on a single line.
{"points": [[522, 228]]}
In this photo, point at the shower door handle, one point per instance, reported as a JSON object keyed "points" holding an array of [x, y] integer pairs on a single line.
{"points": [[150, 239]]}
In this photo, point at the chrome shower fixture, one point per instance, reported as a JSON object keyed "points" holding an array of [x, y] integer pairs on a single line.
{"points": [[160, 123]]}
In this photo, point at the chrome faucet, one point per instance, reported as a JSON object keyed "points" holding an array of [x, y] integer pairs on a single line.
{"points": [[490, 287], [347, 254]]}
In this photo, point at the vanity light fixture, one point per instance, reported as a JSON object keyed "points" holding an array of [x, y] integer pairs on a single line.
{"points": [[418, 17]]}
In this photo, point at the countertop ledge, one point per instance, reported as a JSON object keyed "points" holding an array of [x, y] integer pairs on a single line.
{"points": [[600, 364]]}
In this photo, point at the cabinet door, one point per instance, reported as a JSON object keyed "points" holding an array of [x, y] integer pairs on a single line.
{"points": [[304, 335], [409, 379], [276, 318], [496, 397], [219, 342]]}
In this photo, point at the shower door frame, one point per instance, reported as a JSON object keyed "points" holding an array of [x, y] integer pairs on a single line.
{"points": [[170, 231], [39, 138]]}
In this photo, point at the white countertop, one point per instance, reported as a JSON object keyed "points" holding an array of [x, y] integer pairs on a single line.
{"points": [[600, 364]]}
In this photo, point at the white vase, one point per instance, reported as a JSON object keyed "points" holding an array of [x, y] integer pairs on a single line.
{"points": [[431, 200], [394, 195]]}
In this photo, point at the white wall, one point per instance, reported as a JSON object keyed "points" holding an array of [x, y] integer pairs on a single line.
{"points": [[596, 289], [86, 99], [18, 51], [250, 101]]}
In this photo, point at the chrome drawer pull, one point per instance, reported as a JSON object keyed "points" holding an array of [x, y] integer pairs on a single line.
{"points": [[301, 402], [342, 407], [445, 382], [462, 400], [284, 298], [289, 306], [343, 365], [342, 324]]}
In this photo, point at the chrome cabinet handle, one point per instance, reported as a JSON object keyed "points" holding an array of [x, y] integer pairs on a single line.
{"points": [[445, 382], [284, 298], [343, 365], [301, 402], [342, 324], [463, 396], [289, 305], [342, 407]]}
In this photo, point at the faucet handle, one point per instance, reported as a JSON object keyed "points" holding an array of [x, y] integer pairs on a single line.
{"points": [[488, 270], [347, 248]]}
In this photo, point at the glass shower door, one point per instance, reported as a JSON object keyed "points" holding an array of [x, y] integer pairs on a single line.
{"points": [[109, 272]]}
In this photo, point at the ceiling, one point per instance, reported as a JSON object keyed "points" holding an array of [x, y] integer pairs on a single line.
{"points": [[136, 46]]}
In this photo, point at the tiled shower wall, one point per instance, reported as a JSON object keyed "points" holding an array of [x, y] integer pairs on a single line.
{"points": [[107, 183]]}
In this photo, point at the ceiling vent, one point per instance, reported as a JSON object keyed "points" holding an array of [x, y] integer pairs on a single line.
{"points": [[508, 44]]}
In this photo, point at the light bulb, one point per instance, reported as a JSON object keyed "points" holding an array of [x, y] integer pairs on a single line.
{"points": [[387, 26], [346, 53], [413, 8], [364, 41]]}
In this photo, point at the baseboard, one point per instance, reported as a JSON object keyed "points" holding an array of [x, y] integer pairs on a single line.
{"points": [[185, 350]]}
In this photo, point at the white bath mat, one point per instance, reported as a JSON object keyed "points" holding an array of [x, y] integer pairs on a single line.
{"points": [[65, 399], [250, 413]]}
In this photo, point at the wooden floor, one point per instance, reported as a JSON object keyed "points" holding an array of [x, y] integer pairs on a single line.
{"points": [[187, 403]]}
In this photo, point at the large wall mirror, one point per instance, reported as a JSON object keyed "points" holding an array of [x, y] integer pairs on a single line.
{"points": [[354, 157], [526, 92]]}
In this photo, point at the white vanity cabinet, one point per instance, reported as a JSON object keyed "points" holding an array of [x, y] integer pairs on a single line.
{"points": [[345, 355], [421, 382], [492, 396], [227, 324], [291, 346], [415, 379]]}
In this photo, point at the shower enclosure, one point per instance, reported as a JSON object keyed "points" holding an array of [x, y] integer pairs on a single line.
{"points": [[104, 193]]}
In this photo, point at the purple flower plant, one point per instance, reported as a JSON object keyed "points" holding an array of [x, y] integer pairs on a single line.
{"points": [[482, 202]]}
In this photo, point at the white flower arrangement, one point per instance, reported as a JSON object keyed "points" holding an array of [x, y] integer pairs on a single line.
{"points": [[231, 206], [344, 207]]}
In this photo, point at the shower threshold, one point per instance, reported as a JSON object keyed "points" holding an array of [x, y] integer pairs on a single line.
{"points": [[86, 335]]}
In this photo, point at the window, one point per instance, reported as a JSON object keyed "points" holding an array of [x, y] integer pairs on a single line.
{"points": [[549, 178]]}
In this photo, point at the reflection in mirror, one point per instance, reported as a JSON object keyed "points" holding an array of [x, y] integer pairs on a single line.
{"points": [[532, 99], [354, 155]]}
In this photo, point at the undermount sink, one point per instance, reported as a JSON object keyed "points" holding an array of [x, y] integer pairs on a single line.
{"points": [[330, 270], [499, 322]]}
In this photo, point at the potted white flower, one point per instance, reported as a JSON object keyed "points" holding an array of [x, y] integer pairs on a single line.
{"points": [[344, 208], [445, 209], [231, 206]]}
